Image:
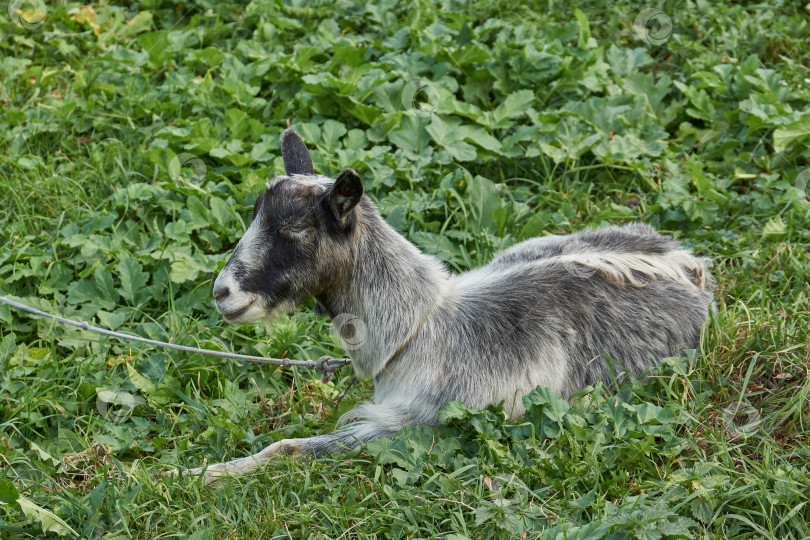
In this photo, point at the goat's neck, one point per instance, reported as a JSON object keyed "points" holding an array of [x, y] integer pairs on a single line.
{"points": [[392, 289]]}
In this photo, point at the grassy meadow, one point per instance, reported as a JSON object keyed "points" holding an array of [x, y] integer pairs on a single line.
{"points": [[134, 138]]}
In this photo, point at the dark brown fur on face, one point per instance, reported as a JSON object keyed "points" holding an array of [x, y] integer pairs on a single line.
{"points": [[300, 242]]}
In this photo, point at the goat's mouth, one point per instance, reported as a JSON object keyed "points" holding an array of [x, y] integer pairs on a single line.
{"points": [[232, 316]]}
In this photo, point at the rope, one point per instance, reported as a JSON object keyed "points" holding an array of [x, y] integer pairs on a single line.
{"points": [[326, 365]]}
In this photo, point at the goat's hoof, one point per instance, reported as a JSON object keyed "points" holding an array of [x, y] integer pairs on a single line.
{"points": [[174, 473], [210, 475]]}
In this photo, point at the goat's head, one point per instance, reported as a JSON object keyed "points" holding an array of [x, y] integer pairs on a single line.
{"points": [[298, 244]]}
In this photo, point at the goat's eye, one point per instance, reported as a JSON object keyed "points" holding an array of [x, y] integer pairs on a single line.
{"points": [[295, 229]]}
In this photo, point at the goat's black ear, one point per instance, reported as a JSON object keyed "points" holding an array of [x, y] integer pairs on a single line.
{"points": [[295, 154], [345, 193]]}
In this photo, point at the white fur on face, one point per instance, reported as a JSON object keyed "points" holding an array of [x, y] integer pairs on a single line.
{"points": [[241, 306], [244, 307], [251, 248]]}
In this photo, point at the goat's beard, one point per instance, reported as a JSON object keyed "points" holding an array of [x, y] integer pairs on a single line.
{"points": [[273, 314]]}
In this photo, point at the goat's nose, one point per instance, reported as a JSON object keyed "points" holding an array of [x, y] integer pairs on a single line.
{"points": [[221, 293]]}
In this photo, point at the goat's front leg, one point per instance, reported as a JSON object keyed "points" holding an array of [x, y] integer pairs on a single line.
{"points": [[246, 465], [342, 441]]}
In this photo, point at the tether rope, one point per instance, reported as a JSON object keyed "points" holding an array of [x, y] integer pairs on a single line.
{"points": [[326, 365]]}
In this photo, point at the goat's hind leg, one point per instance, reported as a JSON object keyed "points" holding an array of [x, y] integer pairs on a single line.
{"points": [[334, 443]]}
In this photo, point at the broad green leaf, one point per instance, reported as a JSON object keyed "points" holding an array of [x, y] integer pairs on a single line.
{"points": [[438, 245], [480, 136], [7, 345], [44, 455], [85, 291], [405, 478], [132, 277], [355, 139], [557, 154], [91, 244], [187, 267], [209, 56], [483, 514], [222, 211], [791, 133], [445, 135], [547, 411], [454, 410], [471, 53], [396, 451], [8, 492], [236, 121], [38, 353], [535, 225], [112, 320], [566, 531], [200, 215], [461, 150], [702, 510], [141, 383], [137, 24], [516, 104], [114, 396], [49, 521], [310, 132], [331, 132], [627, 62], [156, 45], [104, 283], [647, 412], [365, 113], [412, 134], [774, 228]]}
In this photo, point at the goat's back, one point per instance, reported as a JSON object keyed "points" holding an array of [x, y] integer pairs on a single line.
{"points": [[565, 312]]}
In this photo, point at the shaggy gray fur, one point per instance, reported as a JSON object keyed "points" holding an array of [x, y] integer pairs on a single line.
{"points": [[559, 311]]}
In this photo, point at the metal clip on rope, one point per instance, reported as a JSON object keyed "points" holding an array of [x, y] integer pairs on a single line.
{"points": [[326, 365]]}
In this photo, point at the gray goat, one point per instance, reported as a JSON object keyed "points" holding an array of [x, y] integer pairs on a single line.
{"points": [[559, 311]]}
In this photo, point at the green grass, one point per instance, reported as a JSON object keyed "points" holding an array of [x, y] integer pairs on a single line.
{"points": [[545, 120]]}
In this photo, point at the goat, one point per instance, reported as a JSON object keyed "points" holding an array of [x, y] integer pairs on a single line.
{"points": [[551, 311]]}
